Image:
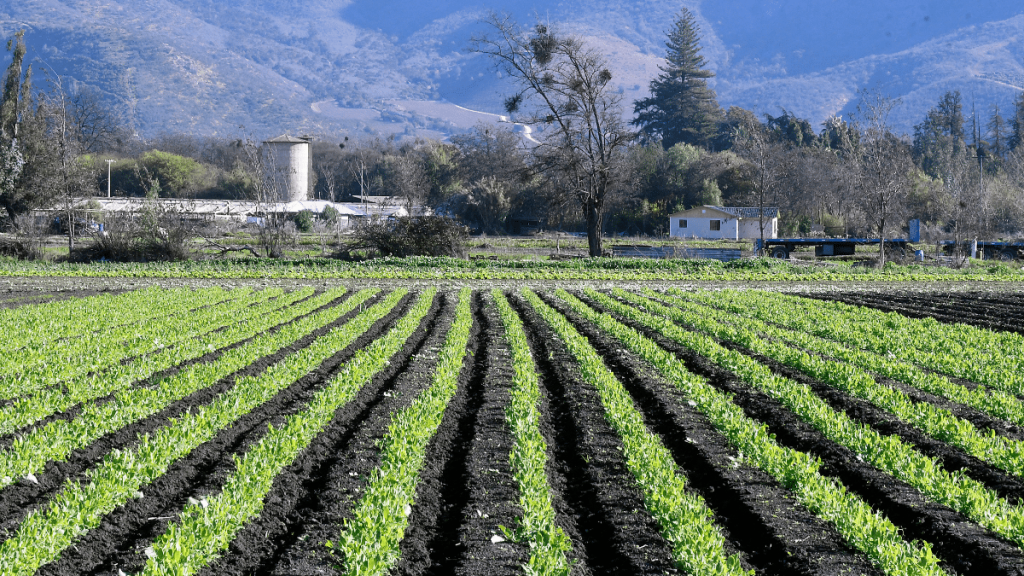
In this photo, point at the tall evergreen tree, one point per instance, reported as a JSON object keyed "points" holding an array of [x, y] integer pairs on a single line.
{"points": [[14, 89], [681, 107], [941, 135], [1016, 138], [997, 133], [22, 137]]}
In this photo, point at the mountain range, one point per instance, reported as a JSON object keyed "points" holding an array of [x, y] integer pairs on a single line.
{"points": [[360, 68]]}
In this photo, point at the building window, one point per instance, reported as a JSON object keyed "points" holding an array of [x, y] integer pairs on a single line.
{"points": [[682, 223], [716, 225]]}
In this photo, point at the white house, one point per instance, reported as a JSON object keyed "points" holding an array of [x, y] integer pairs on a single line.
{"points": [[721, 223]]}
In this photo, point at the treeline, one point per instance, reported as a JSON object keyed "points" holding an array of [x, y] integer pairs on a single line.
{"points": [[961, 172]]}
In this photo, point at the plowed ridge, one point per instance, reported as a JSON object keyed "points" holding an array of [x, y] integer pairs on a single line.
{"points": [[440, 431]]}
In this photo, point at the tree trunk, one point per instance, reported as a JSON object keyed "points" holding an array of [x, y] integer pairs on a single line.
{"points": [[593, 210], [71, 233]]}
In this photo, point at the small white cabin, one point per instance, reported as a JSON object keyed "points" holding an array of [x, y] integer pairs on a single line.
{"points": [[721, 223]]}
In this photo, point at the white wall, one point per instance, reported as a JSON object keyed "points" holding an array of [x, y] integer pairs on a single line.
{"points": [[701, 228], [750, 228]]}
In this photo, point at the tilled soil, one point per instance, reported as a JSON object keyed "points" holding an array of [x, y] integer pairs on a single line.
{"points": [[17, 500], [756, 513], [466, 492], [1003, 312], [961, 544], [120, 540]]}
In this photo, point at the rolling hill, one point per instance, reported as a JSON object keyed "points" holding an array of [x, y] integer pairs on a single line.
{"points": [[361, 68]]}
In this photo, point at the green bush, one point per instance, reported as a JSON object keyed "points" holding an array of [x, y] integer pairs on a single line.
{"points": [[304, 221]]}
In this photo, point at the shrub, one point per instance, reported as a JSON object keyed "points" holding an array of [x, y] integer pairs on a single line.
{"points": [[304, 221], [413, 236]]}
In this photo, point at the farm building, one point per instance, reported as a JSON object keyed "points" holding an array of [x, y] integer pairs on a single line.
{"points": [[214, 210], [721, 223]]}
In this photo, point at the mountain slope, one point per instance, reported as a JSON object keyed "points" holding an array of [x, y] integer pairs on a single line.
{"points": [[363, 68]]}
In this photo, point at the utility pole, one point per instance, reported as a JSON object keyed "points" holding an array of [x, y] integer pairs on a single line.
{"points": [[109, 162]]}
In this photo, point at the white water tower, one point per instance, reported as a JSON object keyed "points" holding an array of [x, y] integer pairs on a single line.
{"points": [[288, 163]]}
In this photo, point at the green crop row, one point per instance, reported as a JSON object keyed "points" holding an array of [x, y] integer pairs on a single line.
{"points": [[96, 351], [55, 441], [887, 453], [685, 520], [983, 356], [758, 310], [39, 323], [426, 268], [548, 542], [43, 403], [206, 528], [123, 474], [939, 423], [59, 358], [865, 529], [369, 541]]}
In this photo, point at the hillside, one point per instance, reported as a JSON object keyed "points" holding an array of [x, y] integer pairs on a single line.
{"points": [[328, 67]]}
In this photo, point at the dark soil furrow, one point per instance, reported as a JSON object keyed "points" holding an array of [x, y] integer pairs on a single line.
{"points": [[981, 420], [952, 459], [118, 543], [600, 503], [450, 492], [491, 494], [951, 315], [757, 514], [977, 304], [984, 422], [961, 544], [19, 499], [310, 500]]}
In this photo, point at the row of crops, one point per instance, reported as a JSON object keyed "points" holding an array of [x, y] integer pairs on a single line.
{"points": [[376, 431], [429, 268]]}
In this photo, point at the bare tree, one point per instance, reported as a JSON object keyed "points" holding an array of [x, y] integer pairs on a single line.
{"points": [[885, 165], [68, 179], [269, 188], [768, 156], [564, 86], [96, 125]]}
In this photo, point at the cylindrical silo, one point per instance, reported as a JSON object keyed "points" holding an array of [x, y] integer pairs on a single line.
{"points": [[287, 161]]}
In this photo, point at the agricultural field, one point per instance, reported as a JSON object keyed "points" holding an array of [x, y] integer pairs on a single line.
{"points": [[537, 429]]}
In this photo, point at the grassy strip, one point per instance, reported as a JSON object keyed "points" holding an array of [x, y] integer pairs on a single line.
{"points": [[548, 542], [862, 527], [977, 354], [830, 330], [55, 441], [370, 539], [939, 423], [205, 529], [58, 359], [43, 403], [80, 507], [100, 351], [685, 520], [428, 268], [887, 453]]}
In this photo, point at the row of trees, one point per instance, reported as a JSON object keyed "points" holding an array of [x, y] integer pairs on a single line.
{"points": [[590, 170]]}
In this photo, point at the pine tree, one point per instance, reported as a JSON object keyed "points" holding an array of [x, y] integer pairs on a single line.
{"points": [[1017, 124], [997, 133], [681, 107], [941, 135]]}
